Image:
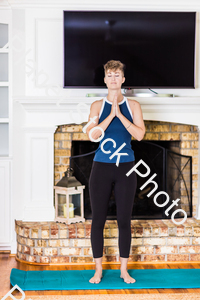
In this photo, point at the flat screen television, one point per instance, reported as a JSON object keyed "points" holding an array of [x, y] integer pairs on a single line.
{"points": [[157, 48]]}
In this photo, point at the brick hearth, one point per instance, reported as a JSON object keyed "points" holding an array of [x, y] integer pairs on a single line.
{"points": [[152, 241]]}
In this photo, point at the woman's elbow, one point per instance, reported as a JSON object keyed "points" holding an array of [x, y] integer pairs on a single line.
{"points": [[141, 136]]}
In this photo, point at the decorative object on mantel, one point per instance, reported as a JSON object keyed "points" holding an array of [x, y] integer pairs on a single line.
{"points": [[69, 199]]}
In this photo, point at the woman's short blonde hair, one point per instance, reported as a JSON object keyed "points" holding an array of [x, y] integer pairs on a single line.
{"points": [[114, 65]]}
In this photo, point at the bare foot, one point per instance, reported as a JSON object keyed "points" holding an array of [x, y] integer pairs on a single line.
{"points": [[127, 278], [97, 276]]}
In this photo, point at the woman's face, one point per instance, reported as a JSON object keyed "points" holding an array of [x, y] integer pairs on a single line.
{"points": [[114, 79]]}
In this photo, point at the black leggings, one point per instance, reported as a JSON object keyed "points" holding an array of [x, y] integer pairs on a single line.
{"points": [[100, 186]]}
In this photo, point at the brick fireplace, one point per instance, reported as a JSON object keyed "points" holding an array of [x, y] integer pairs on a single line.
{"points": [[187, 135], [152, 240]]}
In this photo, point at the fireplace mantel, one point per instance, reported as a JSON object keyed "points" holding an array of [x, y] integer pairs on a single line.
{"points": [[173, 109]]}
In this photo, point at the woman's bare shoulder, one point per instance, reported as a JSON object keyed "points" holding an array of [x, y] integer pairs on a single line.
{"points": [[96, 105], [133, 102], [97, 102], [135, 107]]}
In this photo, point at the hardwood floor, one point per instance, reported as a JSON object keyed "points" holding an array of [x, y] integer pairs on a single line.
{"points": [[8, 262]]}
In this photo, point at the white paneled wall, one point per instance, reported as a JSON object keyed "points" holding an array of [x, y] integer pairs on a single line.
{"points": [[38, 189]]}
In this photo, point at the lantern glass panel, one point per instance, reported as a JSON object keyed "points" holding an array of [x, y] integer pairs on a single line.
{"points": [[74, 205], [61, 203]]}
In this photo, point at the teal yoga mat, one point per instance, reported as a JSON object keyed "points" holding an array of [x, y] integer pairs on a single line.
{"points": [[79, 280]]}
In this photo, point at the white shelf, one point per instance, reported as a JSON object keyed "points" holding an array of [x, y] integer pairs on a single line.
{"points": [[2, 50], [4, 120], [5, 157], [4, 83]]}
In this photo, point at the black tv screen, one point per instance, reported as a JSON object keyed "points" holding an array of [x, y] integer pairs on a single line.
{"points": [[157, 48]]}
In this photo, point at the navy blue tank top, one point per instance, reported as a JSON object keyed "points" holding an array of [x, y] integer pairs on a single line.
{"points": [[117, 132]]}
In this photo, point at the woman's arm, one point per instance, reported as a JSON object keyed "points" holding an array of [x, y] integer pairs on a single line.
{"points": [[94, 112], [137, 130]]}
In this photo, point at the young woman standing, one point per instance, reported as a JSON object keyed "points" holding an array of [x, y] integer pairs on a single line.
{"points": [[119, 118]]}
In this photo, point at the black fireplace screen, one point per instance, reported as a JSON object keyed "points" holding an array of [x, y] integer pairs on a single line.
{"points": [[173, 176]]}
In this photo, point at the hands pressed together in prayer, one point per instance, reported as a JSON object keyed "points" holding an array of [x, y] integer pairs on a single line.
{"points": [[115, 110]]}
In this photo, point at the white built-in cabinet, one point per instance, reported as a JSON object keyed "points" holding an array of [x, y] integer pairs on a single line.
{"points": [[4, 92], [5, 155]]}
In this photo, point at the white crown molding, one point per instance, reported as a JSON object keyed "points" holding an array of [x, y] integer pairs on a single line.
{"points": [[104, 5]]}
